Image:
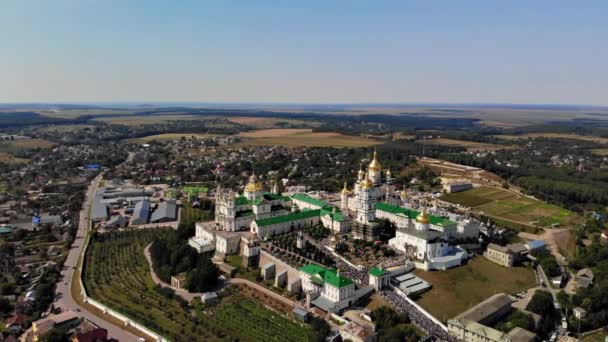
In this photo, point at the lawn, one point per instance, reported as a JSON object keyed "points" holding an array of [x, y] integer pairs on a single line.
{"points": [[117, 274], [512, 209], [303, 137], [457, 289]]}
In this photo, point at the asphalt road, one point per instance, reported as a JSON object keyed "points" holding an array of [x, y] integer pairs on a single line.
{"points": [[63, 293]]}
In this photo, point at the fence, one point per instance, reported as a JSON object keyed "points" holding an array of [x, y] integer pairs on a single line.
{"points": [[419, 308], [106, 310]]}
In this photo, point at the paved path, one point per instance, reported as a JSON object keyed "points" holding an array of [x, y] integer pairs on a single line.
{"points": [[188, 296], [63, 292]]}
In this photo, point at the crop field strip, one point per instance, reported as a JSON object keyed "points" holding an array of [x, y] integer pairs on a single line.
{"points": [[508, 206], [117, 274]]}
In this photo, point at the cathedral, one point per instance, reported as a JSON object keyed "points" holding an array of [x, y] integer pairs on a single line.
{"points": [[370, 185]]}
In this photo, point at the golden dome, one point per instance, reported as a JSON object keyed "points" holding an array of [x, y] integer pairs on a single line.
{"points": [[375, 164], [388, 173], [254, 185], [361, 172], [403, 194], [366, 183], [422, 217], [345, 190]]}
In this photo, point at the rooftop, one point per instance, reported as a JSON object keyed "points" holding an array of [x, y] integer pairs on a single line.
{"points": [[485, 308], [310, 200], [377, 272], [412, 214], [326, 275], [287, 218]]}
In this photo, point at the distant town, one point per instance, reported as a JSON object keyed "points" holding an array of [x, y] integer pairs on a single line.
{"points": [[201, 225]]}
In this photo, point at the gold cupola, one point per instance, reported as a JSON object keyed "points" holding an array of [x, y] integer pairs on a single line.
{"points": [[375, 164], [254, 185], [345, 190], [423, 217], [366, 183]]}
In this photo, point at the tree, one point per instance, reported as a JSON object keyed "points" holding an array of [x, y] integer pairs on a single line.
{"points": [[385, 318], [56, 335], [320, 328], [204, 277], [542, 304]]}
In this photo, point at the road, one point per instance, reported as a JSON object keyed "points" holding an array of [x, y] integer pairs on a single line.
{"points": [[63, 292]]}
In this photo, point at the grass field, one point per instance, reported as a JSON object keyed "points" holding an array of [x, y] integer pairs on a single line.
{"points": [[117, 274], [26, 144], [66, 128], [513, 209], [596, 337], [170, 136], [303, 137], [8, 158], [459, 288], [600, 151], [555, 135], [471, 146], [265, 123]]}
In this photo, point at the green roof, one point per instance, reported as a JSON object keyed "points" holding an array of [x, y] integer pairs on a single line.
{"points": [[393, 209], [310, 200], [377, 272], [242, 200], [322, 275], [244, 213], [337, 216], [6, 229], [287, 218]]}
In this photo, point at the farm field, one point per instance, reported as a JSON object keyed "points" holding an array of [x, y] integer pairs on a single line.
{"points": [[135, 120], [265, 123], [170, 136], [8, 158], [25, 144], [600, 151], [459, 288], [509, 207], [117, 274], [555, 135], [66, 128], [303, 137], [471, 146]]}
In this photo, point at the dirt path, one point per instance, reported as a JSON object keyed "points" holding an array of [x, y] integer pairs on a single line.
{"points": [[551, 237]]}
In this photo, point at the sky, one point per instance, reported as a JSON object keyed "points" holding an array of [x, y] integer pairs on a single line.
{"points": [[427, 51]]}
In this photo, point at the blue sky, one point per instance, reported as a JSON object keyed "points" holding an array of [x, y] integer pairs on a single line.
{"points": [[304, 51]]}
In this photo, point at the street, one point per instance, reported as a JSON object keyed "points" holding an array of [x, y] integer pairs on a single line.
{"points": [[63, 294]]}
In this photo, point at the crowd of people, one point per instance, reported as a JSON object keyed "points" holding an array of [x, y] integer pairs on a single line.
{"points": [[423, 322], [418, 318]]}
